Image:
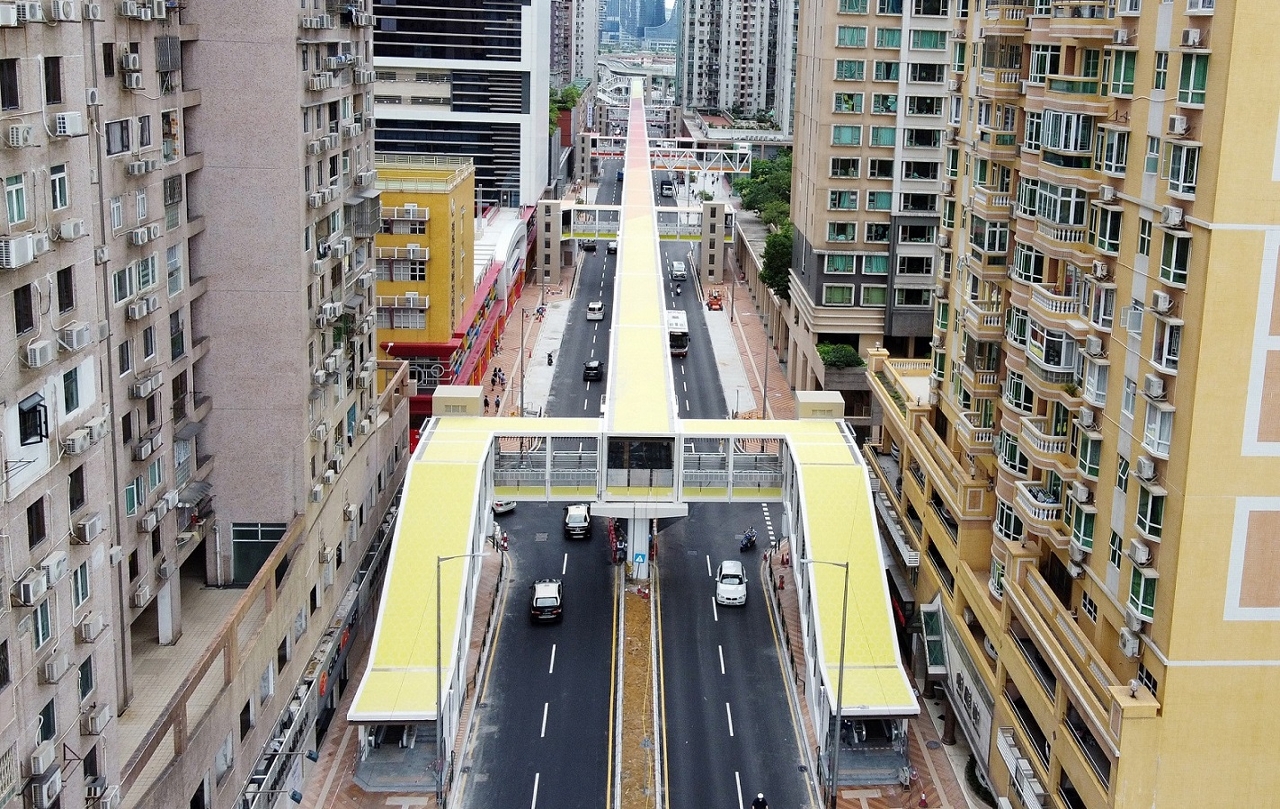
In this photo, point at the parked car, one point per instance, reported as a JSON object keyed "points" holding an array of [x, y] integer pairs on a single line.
{"points": [[503, 506], [612, 248], [546, 600], [595, 310], [731, 583], [577, 521], [592, 370]]}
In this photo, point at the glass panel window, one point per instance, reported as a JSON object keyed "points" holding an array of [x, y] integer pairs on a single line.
{"points": [[853, 6], [1102, 305], [1016, 326], [1157, 433], [1114, 550], [848, 102], [873, 295], [837, 295], [877, 232], [913, 297], [1095, 382], [888, 37], [1151, 165], [851, 36], [1090, 456], [851, 70], [1175, 256], [1142, 592], [1123, 64], [880, 201], [1045, 61], [122, 285], [1144, 237], [1007, 523], [1150, 519], [883, 135], [1032, 131], [846, 136], [1104, 229], [849, 167], [840, 263], [1068, 131], [1167, 345], [41, 624], [15, 198], [1130, 398], [117, 136], [1193, 78], [842, 200], [1183, 162], [875, 264], [1161, 78], [925, 40], [1113, 151], [80, 585], [59, 195], [1122, 473], [842, 231], [883, 104], [1081, 522], [886, 71]]}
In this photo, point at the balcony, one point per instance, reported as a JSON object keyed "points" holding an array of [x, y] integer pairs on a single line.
{"points": [[1039, 666], [406, 253], [979, 381], [974, 438], [900, 385], [1057, 238], [998, 144], [992, 205], [1044, 449], [984, 320], [1077, 93], [415, 213], [996, 83], [1038, 507], [1038, 743], [1058, 311], [1089, 746], [403, 302], [1080, 18]]}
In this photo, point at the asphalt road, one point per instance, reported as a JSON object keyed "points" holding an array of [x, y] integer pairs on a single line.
{"points": [[729, 730], [542, 734]]}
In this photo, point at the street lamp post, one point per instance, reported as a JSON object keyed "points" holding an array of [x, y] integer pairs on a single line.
{"points": [[835, 728], [440, 560]]}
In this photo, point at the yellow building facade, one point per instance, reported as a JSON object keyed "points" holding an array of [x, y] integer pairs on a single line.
{"points": [[1092, 481]]}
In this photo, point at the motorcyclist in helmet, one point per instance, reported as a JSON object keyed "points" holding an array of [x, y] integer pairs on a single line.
{"points": [[760, 802]]}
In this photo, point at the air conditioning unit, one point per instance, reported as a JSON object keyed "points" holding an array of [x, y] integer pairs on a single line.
{"points": [[1093, 345], [144, 10], [313, 147], [95, 721], [97, 428], [40, 243], [90, 626], [1119, 37], [1171, 216], [1086, 418], [331, 141], [101, 254], [364, 76], [133, 81], [171, 498], [366, 178], [165, 570], [130, 61], [43, 758], [141, 451], [1190, 37], [335, 463], [159, 10], [55, 567], [319, 376], [1153, 387], [349, 512], [93, 11], [115, 555], [147, 523], [1130, 643], [17, 251], [334, 62], [364, 427], [325, 20], [1178, 125], [321, 430], [1076, 552], [1075, 570], [139, 236], [330, 476], [45, 792], [31, 11], [1080, 492], [331, 364], [137, 310], [319, 82], [141, 389], [364, 379], [1144, 468], [317, 493], [22, 135], [315, 199], [1161, 302], [8, 16], [71, 229], [142, 595], [88, 528], [352, 130], [76, 336], [1100, 270], [333, 310], [154, 231], [40, 353], [948, 136], [76, 443], [364, 280], [55, 667], [31, 588], [953, 84], [69, 124], [66, 10], [1133, 620], [1107, 193]]}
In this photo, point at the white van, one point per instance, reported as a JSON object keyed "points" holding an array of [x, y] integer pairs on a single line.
{"points": [[678, 271]]}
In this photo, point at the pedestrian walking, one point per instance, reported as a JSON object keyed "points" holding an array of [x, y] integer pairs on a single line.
{"points": [[486, 404], [497, 405], [493, 378]]}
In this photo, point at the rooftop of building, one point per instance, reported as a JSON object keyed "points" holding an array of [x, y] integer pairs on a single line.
{"points": [[427, 174]]}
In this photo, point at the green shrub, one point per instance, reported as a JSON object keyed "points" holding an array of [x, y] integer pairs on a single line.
{"points": [[839, 355]]}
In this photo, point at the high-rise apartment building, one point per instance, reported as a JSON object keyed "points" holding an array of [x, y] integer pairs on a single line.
{"points": [[469, 80], [1090, 490], [868, 170], [585, 41], [201, 442], [728, 55]]}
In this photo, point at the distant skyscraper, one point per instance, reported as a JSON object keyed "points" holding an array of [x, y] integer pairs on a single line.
{"points": [[468, 80], [652, 13], [728, 55]]}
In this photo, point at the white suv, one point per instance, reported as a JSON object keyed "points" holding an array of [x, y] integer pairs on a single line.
{"points": [[595, 310], [678, 272], [731, 583]]}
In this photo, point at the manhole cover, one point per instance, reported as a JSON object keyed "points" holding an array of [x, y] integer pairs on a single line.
{"points": [[541, 536], [933, 744]]}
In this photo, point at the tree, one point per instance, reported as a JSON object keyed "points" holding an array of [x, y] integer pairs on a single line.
{"points": [[769, 182], [776, 272]]}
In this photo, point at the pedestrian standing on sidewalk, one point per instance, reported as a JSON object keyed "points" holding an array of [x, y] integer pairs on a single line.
{"points": [[493, 378], [486, 404]]}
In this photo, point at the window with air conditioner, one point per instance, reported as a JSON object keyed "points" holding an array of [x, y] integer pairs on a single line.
{"points": [[1167, 345], [1088, 455], [1157, 433], [1175, 257], [1150, 517], [1193, 79], [1182, 164], [1142, 591]]}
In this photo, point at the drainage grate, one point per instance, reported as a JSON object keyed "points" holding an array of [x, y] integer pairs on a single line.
{"points": [[541, 536]]}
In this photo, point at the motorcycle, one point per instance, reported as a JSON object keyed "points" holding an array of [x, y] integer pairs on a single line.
{"points": [[677, 289], [748, 540]]}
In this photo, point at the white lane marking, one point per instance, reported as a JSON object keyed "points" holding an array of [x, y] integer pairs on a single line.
{"points": [[552, 668], [686, 386], [715, 611], [729, 713], [708, 565], [547, 705], [721, 650], [537, 776], [584, 401], [565, 564], [593, 339], [686, 405], [737, 780]]}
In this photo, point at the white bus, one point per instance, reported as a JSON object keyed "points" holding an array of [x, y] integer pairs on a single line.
{"points": [[678, 332]]}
